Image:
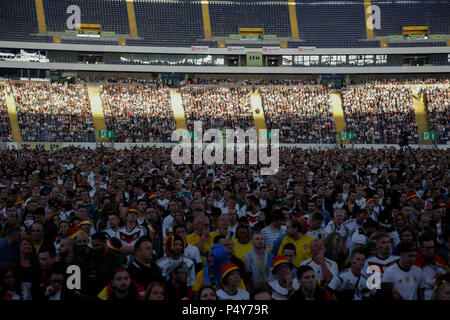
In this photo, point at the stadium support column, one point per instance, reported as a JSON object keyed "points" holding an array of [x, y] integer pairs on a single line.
{"points": [[178, 110], [338, 115], [40, 16], [206, 20], [13, 117], [258, 112], [131, 18], [420, 114], [98, 115], [293, 19], [369, 30]]}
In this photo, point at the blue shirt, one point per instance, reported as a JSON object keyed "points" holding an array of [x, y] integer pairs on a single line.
{"points": [[7, 252]]}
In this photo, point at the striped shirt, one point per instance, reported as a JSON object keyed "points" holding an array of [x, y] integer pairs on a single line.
{"points": [[270, 235]]}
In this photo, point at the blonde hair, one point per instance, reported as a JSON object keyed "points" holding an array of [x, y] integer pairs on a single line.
{"points": [[438, 291]]}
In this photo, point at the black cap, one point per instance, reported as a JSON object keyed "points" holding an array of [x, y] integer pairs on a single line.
{"points": [[370, 223], [406, 247]]}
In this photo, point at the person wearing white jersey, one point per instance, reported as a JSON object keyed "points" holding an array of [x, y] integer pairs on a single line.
{"points": [[351, 284], [324, 268], [407, 278], [190, 251], [351, 226], [383, 258], [430, 263]]}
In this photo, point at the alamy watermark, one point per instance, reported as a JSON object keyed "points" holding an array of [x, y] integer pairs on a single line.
{"points": [[209, 147], [374, 18]]}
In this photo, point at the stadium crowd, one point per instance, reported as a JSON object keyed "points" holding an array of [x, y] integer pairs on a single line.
{"points": [[54, 112], [438, 107], [140, 113], [217, 107], [141, 228], [303, 115], [380, 114], [376, 113]]}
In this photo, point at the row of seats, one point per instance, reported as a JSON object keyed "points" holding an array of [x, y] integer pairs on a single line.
{"points": [[169, 23], [395, 15]]}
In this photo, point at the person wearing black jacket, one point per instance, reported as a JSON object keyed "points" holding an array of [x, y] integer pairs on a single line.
{"points": [[104, 261], [309, 287], [57, 290], [142, 267], [177, 288]]}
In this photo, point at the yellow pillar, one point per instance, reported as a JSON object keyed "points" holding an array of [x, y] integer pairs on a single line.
{"points": [[13, 116], [258, 112], [420, 114], [132, 18], [98, 116], [369, 27], [338, 115], [178, 110], [206, 20], [40, 16], [293, 19]]}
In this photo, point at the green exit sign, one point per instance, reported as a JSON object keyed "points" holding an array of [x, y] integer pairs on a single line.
{"points": [[429, 136], [106, 134], [346, 135]]}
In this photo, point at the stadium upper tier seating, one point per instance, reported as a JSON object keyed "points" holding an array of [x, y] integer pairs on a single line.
{"points": [[111, 15], [398, 14], [228, 16], [180, 23]]}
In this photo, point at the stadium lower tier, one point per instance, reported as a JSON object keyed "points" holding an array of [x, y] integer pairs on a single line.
{"points": [[367, 114]]}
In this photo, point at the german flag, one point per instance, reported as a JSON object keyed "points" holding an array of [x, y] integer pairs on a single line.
{"points": [[73, 232]]}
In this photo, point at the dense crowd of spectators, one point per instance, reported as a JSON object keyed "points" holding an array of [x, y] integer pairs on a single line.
{"points": [[248, 82], [140, 113], [302, 114], [54, 112], [140, 227], [114, 79], [438, 107], [5, 127], [217, 107], [407, 81], [380, 114]]}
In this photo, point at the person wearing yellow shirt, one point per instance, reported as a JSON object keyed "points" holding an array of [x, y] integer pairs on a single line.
{"points": [[222, 228], [242, 243], [200, 237], [295, 235]]}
